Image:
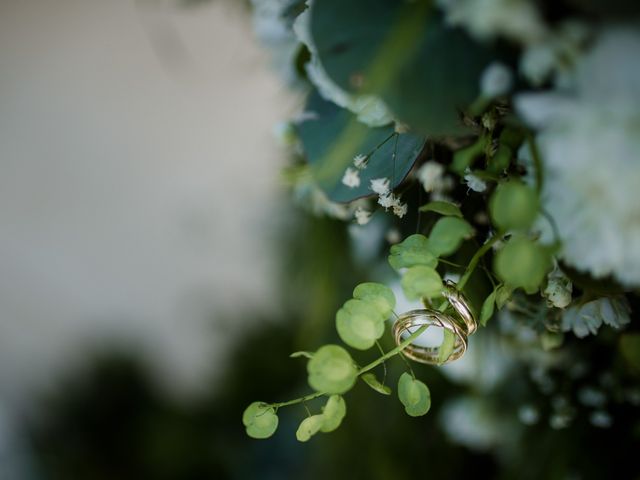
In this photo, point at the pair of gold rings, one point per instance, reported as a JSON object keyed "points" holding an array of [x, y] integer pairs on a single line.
{"points": [[461, 325]]}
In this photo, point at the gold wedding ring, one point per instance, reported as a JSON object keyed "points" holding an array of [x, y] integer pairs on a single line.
{"points": [[461, 325]]}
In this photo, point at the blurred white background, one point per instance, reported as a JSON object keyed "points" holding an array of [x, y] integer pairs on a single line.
{"points": [[138, 180]]}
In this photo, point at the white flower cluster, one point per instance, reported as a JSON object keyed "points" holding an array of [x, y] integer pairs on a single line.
{"points": [[589, 138], [386, 198]]}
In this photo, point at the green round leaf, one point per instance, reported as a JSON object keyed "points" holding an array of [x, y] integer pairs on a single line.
{"points": [[359, 324], [513, 206], [412, 251], [522, 263], [331, 370], [443, 208], [414, 395], [260, 420], [420, 282], [333, 412], [447, 235], [309, 427], [488, 307], [379, 296], [371, 380]]}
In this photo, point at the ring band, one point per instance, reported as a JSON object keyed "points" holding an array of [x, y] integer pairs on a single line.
{"points": [[429, 355], [462, 325], [461, 305]]}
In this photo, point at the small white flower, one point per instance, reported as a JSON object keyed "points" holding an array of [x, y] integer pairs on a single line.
{"points": [[430, 175], [351, 178], [380, 186], [387, 200], [496, 80], [400, 209], [362, 216], [559, 288], [473, 182], [360, 161]]}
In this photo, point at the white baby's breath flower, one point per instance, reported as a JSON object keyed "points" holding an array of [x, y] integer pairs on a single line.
{"points": [[387, 200], [496, 80], [362, 216], [474, 182], [380, 185], [431, 176], [517, 20], [360, 161], [400, 209], [351, 178], [589, 141], [558, 290]]}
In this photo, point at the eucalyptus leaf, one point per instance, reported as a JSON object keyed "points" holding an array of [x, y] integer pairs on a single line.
{"points": [[309, 427], [371, 380], [522, 263], [443, 208], [421, 281], [331, 137], [414, 395], [260, 420], [513, 206], [378, 295], [488, 307], [331, 370], [412, 251], [333, 412], [447, 235], [446, 348]]}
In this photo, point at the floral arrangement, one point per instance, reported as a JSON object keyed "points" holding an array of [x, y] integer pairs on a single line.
{"points": [[494, 143]]}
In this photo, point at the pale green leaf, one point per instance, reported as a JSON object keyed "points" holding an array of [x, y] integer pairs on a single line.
{"points": [[378, 295], [513, 206], [446, 348], [359, 324], [447, 235], [414, 395], [331, 370], [443, 208], [412, 251], [503, 294], [333, 412], [522, 263], [260, 420], [371, 380], [420, 282], [309, 427], [301, 354], [488, 307]]}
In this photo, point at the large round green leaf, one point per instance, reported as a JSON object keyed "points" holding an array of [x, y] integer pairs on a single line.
{"points": [[359, 324], [331, 137], [420, 282], [414, 395], [412, 251], [522, 263], [378, 295], [331, 370], [513, 206], [447, 235], [260, 420]]}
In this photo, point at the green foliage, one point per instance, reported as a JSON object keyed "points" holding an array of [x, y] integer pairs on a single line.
{"points": [[414, 395], [332, 137], [260, 420], [446, 348], [443, 208], [412, 251], [488, 306], [359, 324], [447, 235], [371, 380], [551, 340], [301, 354], [501, 160], [309, 427], [522, 263], [331, 370], [421, 281], [503, 294], [464, 157], [333, 413], [630, 348], [513, 206], [377, 295]]}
